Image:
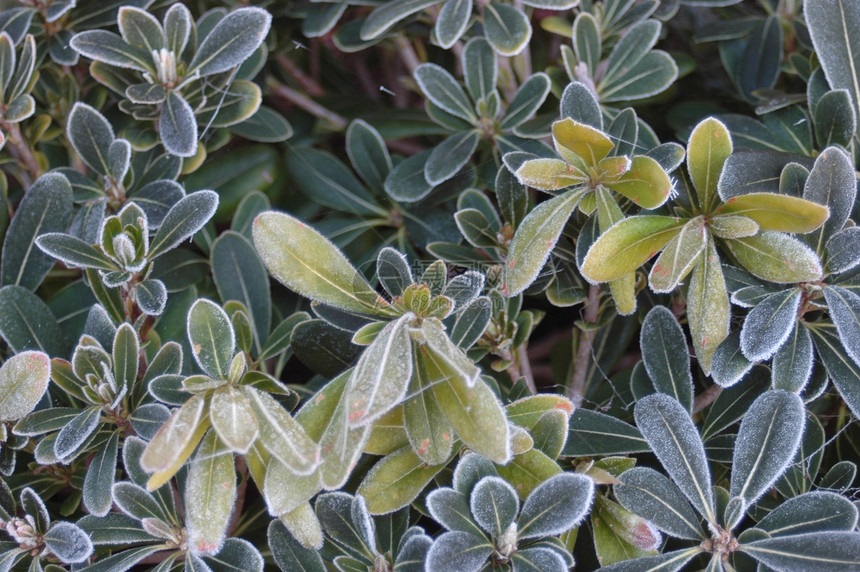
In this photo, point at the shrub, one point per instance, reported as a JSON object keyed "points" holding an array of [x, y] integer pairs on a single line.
{"points": [[429, 286]]}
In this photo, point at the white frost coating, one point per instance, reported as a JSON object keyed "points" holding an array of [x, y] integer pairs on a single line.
{"points": [[441, 88], [210, 495], [231, 41], [304, 526], [768, 325], [23, 381], [363, 522], [494, 505], [843, 253], [448, 507], [233, 419], [844, 307], [284, 491], [393, 271], [810, 511], [283, 436], [678, 257], [469, 471], [90, 135], [793, 363], [448, 352], [167, 445], [777, 257], [664, 351], [381, 377], [671, 434], [652, 496], [768, 438], [459, 551], [212, 338], [728, 365], [556, 505], [136, 502], [464, 288]]}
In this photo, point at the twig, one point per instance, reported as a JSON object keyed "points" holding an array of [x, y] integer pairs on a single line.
{"points": [[706, 398], [407, 53], [576, 389], [522, 358], [242, 471], [309, 105], [20, 150], [307, 83]]}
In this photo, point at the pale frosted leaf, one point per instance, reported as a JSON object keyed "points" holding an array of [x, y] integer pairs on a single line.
{"points": [[664, 351], [556, 505], [281, 435], [396, 480], [811, 552], [231, 41], [285, 491], [678, 257], [793, 362], [211, 336], [443, 349], [177, 126], [776, 257], [494, 505], [458, 551], [68, 542], [708, 309], [23, 381], [769, 324], [210, 494], [728, 365], [814, 511], [844, 307], [843, 250], [450, 508], [289, 553], [666, 562], [673, 437], [392, 270], [233, 419], [652, 496], [832, 183]]}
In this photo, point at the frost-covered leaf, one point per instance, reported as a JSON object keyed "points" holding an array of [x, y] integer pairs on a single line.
{"points": [[556, 505], [664, 351], [175, 442], [396, 480], [666, 562], [136, 502], [592, 433], [506, 28], [210, 494], [231, 41], [441, 88], [177, 126], [233, 419], [381, 377], [842, 370], [831, 182], [289, 554], [393, 271], [428, 431], [76, 433], [768, 437], [91, 136], [811, 552], [652, 496], [844, 307], [843, 250], [281, 435], [23, 381], [450, 508], [670, 432], [110, 48], [728, 365], [68, 542], [708, 148], [777, 212], [183, 220], [308, 263], [449, 357], [776, 257], [450, 155], [708, 308], [458, 551], [810, 512], [212, 338], [494, 505], [678, 257], [769, 324], [793, 363]]}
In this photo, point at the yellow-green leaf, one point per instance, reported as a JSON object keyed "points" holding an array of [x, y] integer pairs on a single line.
{"points": [[210, 495], [679, 256], [708, 309], [584, 141], [776, 257], [777, 212], [627, 245], [175, 442], [709, 146], [549, 174], [527, 471], [395, 481], [646, 183], [233, 419]]}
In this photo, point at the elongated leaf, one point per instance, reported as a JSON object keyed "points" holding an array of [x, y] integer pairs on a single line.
{"points": [[844, 306], [368, 154], [815, 511], [664, 351], [776, 257], [708, 308], [627, 245], [649, 494], [449, 156], [76, 433], [182, 221], [26, 322], [23, 381], [233, 419], [769, 324], [831, 182], [535, 239], [454, 362], [305, 261], [835, 119], [793, 363], [592, 433], [842, 249], [212, 338], [99, 479], [767, 440], [210, 492], [381, 377], [396, 480], [389, 14], [579, 103], [678, 257], [527, 101], [453, 20], [494, 505], [587, 43], [110, 48], [91, 136], [670, 432], [73, 251], [429, 432], [652, 74], [177, 126], [231, 41], [458, 551], [841, 369], [126, 355], [175, 442], [708, 148], [758, 67], [556, 505], [777, 212], [283, 436], [289, 554], [506, 28], [443, 90], [729, 365], [812, 552], [836, 42], [479, 68], [46, 207]]}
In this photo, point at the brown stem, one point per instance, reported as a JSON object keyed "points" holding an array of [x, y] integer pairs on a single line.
{"points": [[706, 398], [306, 82], [522, 359], [407, 53], [308, 105], [242, 470], [576, 388], [20, 150]]}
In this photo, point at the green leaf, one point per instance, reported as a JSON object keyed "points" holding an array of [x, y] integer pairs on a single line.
{"points": [[289, 554], [177, 126], [776, 257], [91, 136], [26, 322], [592, 433], [767, 440], [442, 89], [479, 68], [842, 252], [428, 431], [587, 42], [836, 42], [632, 47], [240, 275], [110, 48], [471, 323], [23, 381], [777, 212], [233, 419], [140, 29], [627, 245], [664, 351], [494, 505], [678, 257], [535, 239], [175, 441], [728, 364], [265, 126], [76, 433], [305, 261], [841, 369], [670, 433], [644, 491], [579, 103], [126, 356], [46, 207], [182, 221], [708, 308], [210, 493], [114, 528], [240, 103], [452, 22], [651, 75], [844, 307], [835, 119], [814, 551], [759, 65], [388, 14], [283, 436], [406, 182], [769, 324], [68, 542], [555, 506], [368, 154], [709, 146], [450, 508], [549, 174], [451, 359], [231, 41], [506, 28], [815, 511], [177, 28], [793, 362], [393, 271], [396, 480], [526, 101], [212, 338], [449, 156], [151, 296], [99, 479], [729, 226], [831, 182], [458, 551]]}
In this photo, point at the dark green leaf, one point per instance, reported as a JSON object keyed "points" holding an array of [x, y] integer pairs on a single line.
{"points": [[649, 494]]}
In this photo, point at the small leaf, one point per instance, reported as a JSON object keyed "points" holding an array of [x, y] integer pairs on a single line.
{"points": [[386, 15], [395, 481], [645, 183], [140, 29], [678, 257], [231, 41], [110, 48], [177, 126], [506, 28], [776, 257], [814, 551], [587, 43], [528, 99], [843, 250], [832, 183], [708, 308], [769, 324], [777, 212], [99, 479], [793, 363], [458, 551], [844, 306], [535, 239], [579, 103], [23, 381], [151, 296], [289, 554], [555, 506], [368, 154], [651, 75], [728, 226], [233, 419], [729, 365], [211, 337], [450, 508], [479, 66], [76, 433], [664, 351], [708, 148], [428, 431], [835, 119], [767, 440], [175, 442], [182, 221], [647, 493], [210, 493], [449, 156], [177, 28], [494, 505], [283, 436], [443, 90], [68, 542], [670, 432]]}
